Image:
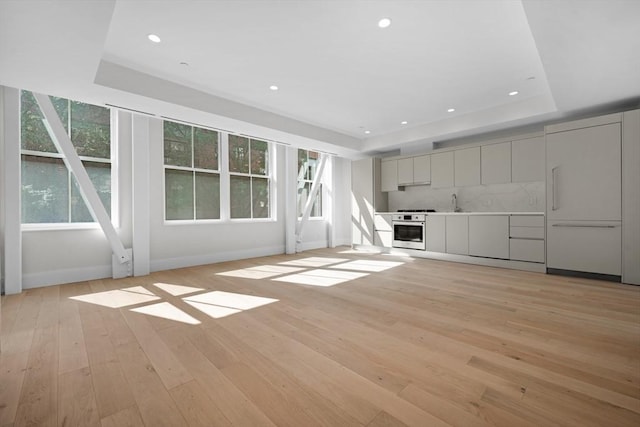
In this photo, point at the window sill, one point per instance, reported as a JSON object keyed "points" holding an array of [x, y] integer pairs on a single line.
{"points": [[181, 222], [62, 226]]}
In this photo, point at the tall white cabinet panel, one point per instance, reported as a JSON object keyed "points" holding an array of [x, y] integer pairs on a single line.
{"points": [[527, 160], [489, 236], [366, 198], [389, 175], [442, 170], [457, 234], [495, 160], [405, 171], [584, 174], [436, 233], [467, 167], [422, 169]]}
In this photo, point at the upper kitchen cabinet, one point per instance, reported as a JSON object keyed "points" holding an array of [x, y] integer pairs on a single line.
{"points": [[405, 171], [389, 175], [442, 170], [496, 163], [527, 160], [467, 167], [422, 169]]}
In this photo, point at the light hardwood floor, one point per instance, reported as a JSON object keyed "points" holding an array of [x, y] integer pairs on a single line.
{"points": [[418, 343]]}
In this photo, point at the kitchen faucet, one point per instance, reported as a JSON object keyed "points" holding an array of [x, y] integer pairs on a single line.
{"points": [[454, 203]]}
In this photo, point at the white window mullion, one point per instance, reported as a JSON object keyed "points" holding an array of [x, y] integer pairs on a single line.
{"points": [[193, 172], [225, 177]]}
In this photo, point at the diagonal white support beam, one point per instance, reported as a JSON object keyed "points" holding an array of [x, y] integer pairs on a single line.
{"points": [[87, 190], [315, 186]]}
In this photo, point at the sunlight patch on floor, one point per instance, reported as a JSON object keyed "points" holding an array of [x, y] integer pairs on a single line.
{"points": [[314, 261], [321, 277], [168, 311], [119, 297], [177, 290], [214, 311], [219, 304], [369, 265], [260, 272]]}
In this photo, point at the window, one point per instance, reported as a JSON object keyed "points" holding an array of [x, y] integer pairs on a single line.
{"points": [[308, 162], [191, 172], [249, 177], [50, 193]]}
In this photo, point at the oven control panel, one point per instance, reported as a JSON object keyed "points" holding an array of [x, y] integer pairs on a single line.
{"points": [[409, 217]]}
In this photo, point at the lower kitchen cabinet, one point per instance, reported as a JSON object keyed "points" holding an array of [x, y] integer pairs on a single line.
{"points": [[383, 238], [457, 234], [531, 250], [489, 236], [436, 233]]}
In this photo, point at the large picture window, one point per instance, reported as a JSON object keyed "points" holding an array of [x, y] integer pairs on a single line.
{"points": [[50, 193], [308, 162], [191, 172], [249, 177]]}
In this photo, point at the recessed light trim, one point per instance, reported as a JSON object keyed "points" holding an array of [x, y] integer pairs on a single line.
{"points": [[404, 122], [451, 110], [384, 22], [513, 93], [154, 38], [274, 87]]}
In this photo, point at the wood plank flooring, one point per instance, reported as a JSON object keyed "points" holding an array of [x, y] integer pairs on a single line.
{"points": [[323, 338]]}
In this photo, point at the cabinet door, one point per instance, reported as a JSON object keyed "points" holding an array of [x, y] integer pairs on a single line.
{"points": [[527, 160], [496, 163], [584, 174], [436, 233], [467, 167], [489, 236], [383, 238], [405, 171], [389, 175], [593, 247], [422, 169], [382, 222], [457, 234], [362, 202], [442, 170]]}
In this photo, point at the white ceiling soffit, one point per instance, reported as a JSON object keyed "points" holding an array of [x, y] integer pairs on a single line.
{"points": [[338, 73]]}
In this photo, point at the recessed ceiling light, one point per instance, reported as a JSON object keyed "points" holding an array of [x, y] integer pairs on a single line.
{"points": [[384, 22], [273, 87], [515, 92], [404, 122], [154, 38], [184, 64], [367, 132], [531, 78], [451, 110]]}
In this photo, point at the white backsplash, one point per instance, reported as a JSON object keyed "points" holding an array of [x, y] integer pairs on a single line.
{"points": [[518, 197]]}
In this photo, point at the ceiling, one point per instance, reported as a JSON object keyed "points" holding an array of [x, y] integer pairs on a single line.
{"points": [[345, 85]]}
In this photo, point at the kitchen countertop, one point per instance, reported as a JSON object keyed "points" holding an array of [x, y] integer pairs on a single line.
{"points": [[464, 213]]}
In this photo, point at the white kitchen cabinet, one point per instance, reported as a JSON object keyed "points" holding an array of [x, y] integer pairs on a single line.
{"points": [[383, 230], [526, 241], [383, 238], [584, 179], [442, 170], [405, 171], [529, 250], [588, 246], [366, 198], [495, 162], [422, 169], [436, 233], [467, 167], [527, 160], [489, 236], [389, 175], [457, 234], [382, 222]]}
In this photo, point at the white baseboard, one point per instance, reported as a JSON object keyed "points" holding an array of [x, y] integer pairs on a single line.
{"points": [[343, 242], [69, 275], [191, 261]]}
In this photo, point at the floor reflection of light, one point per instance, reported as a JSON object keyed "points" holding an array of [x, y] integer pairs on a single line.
{"points": [[314, 261], [177, 290], [368, 265], [321, 277], [220, 304], [260, 272], [363, 251], [119, 297], [167, 311]]}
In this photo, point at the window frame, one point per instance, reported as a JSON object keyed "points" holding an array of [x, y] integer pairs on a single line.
{"points": [[321, 190], [270, 164], [112, 161], [193, 171]]}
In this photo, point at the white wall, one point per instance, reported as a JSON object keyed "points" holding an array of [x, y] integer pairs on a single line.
{"points": [[70, 255]]}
